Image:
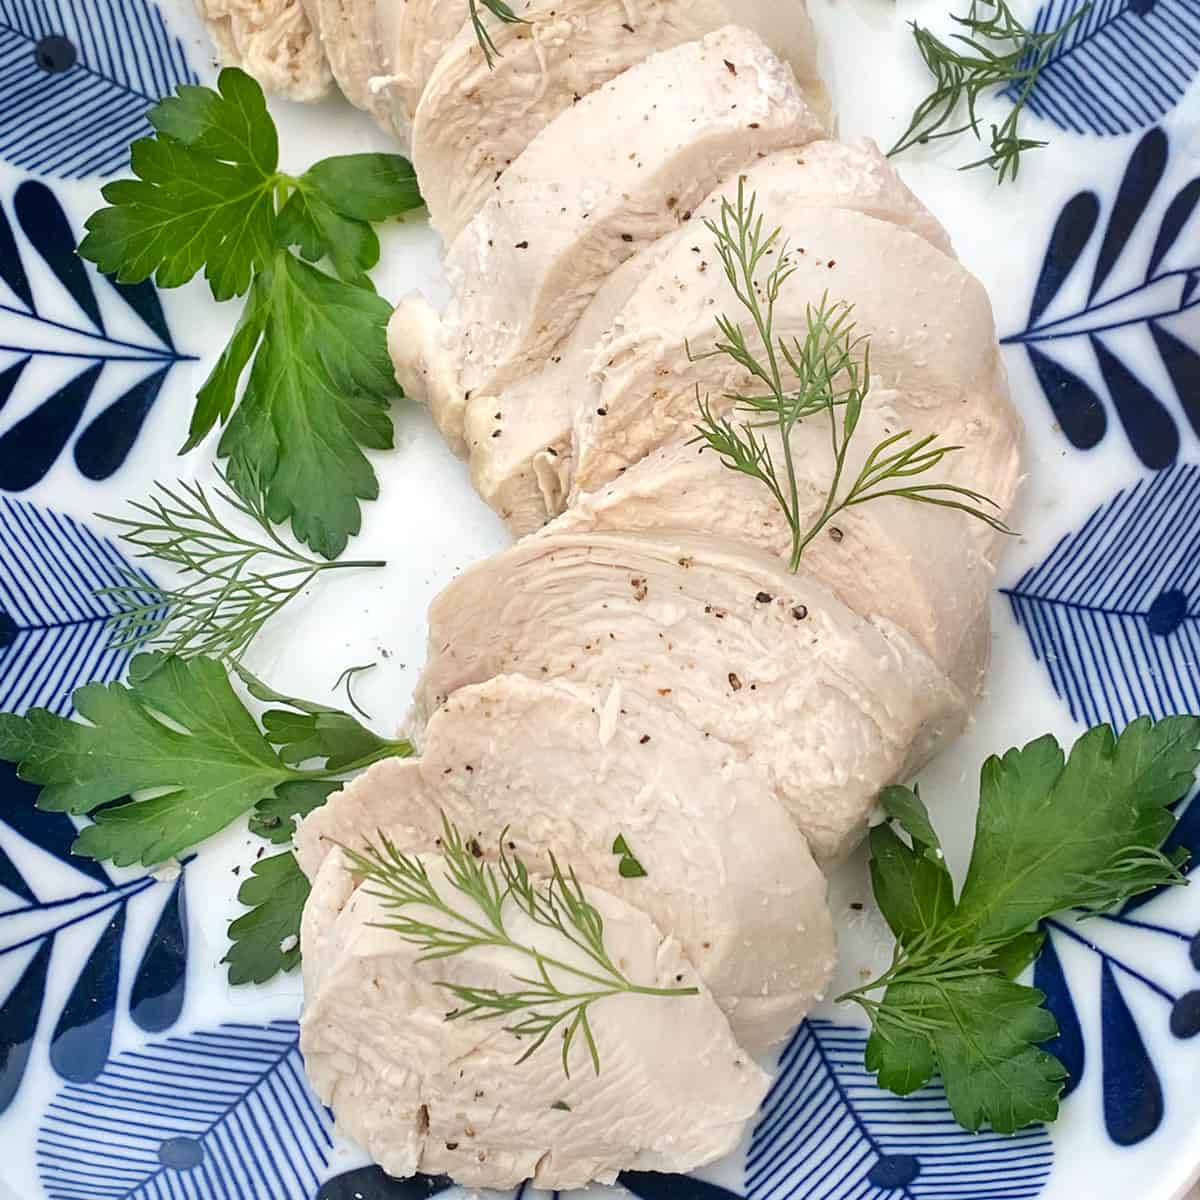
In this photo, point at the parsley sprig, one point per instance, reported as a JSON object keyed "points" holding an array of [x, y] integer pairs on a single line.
{"points": [[558, 993], [1053, 833], [167, 760], [996, 51], [231, 582], [181, 742], [208, 196], [827, 374]]}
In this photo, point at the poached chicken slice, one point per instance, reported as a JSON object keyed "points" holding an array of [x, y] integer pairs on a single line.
{"points": [[273, 40], [829, 707], [424, 1094], [929, 321], [519, 440], [549, 765], [475, 118], [918, 566], [653, 142]]}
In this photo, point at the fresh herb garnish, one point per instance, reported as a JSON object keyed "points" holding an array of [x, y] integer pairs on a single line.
{"points": [[629, 867], [266, 940], [557, 994], [997, 51], [178, 730], [1053, 833], [231, 585], [208, 195], [498, 9], [826, 378], [345, 681]]}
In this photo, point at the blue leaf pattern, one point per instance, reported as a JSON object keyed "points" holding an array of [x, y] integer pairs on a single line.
{"points": [[30, 331], [53, 637], [1068, 1046], [1133, 1098], [1124, 65], [827, 1132], [1121, 295], [216, 1115], [81, 1040], [79, 77], [156, 998], [55, 634], [1111, 612]]}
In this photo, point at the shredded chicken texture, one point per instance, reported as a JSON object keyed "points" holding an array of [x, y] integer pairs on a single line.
{"points": [[273, 40]]}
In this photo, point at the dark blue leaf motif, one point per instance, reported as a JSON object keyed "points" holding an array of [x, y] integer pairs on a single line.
{"points": [[19, 1021], [106, 442], [1133, 1098], [1183, 367], [1078, 410], [1068, 1046], [1121, 67], [79, 76], [31, 447], [1151, 430], [52, 832], [1111, 613], [217, 1115], [1143, 302], [57, 639], [370, 1183], [1072, 232], [1131, 1090], [1143, 174], [827, 1132], [80, 1043], [1178, 213], [12, 881], [156, 999], [48, 230], [72, 332]]}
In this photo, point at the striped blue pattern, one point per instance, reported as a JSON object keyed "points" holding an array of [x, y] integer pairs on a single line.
{"points": [[827, 1132], [1121, 67], [1111, 613], [53, 626], [81, 121], [220, 1115]]}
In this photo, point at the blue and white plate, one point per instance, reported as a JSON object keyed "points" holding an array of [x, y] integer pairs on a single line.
{"points": [[130, 1070]]}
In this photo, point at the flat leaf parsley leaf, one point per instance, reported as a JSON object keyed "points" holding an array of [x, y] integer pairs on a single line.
{"points": [[180, 733], [266, 940], [208, 196], [1053, 833]]}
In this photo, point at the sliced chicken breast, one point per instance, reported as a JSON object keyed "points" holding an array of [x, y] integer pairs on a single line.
{"points": [[829, 706], [917, 566], [424, 1094], [654, 141], [519, 440], [929, 322], [273, 40], [552, 765], [349, 34], [476, 118]]}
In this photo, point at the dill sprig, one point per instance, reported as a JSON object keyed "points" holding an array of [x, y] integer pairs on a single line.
{"points": [[231, 585], [498, 9], [971, 63], [829, 373], [557, 994]]}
